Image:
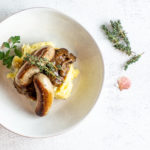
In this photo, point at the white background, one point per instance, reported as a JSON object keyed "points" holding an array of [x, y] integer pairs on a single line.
{"points": [[120, 120]]}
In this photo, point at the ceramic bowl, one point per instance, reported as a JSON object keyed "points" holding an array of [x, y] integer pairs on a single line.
{"points": [[45, 24]]}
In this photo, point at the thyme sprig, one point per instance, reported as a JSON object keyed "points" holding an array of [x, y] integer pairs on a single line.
{"points": [[118, 37], [132, 60], [43, 64], [120, 41]]}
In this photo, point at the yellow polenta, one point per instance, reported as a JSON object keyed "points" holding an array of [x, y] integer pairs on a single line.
{"points": [[62, 92]]}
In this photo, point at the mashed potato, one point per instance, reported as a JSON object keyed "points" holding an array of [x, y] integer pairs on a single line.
{"points": [[65, 89], [62, 92]]}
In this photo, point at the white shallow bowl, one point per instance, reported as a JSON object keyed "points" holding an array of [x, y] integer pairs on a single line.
{"points": [[45, 24]]}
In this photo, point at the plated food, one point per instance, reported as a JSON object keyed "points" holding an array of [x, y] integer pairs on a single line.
{"points": [[40, 71], [44, 24]]}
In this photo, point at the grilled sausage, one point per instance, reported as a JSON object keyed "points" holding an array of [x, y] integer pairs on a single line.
{"points": [[44, 92], [26, 72]]}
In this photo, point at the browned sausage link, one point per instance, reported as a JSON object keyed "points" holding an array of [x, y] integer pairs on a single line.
{"points": [[44, 92], [26, 72]]}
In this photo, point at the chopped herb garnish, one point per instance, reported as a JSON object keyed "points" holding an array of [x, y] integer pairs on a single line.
{"points": [[43, 64], [59, 67]]}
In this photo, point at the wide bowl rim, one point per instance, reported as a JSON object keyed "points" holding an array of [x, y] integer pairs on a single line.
{"points": [[103, 72]]}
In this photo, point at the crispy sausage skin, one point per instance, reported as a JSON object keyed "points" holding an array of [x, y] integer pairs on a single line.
{"points": [[45, 93], [26, 72]]}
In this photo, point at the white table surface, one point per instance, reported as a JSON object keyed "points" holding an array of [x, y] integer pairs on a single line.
{"points": [[120, 120]]}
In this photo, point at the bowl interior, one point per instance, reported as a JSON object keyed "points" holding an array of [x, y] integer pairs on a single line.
{"points": [[43, 24]]}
